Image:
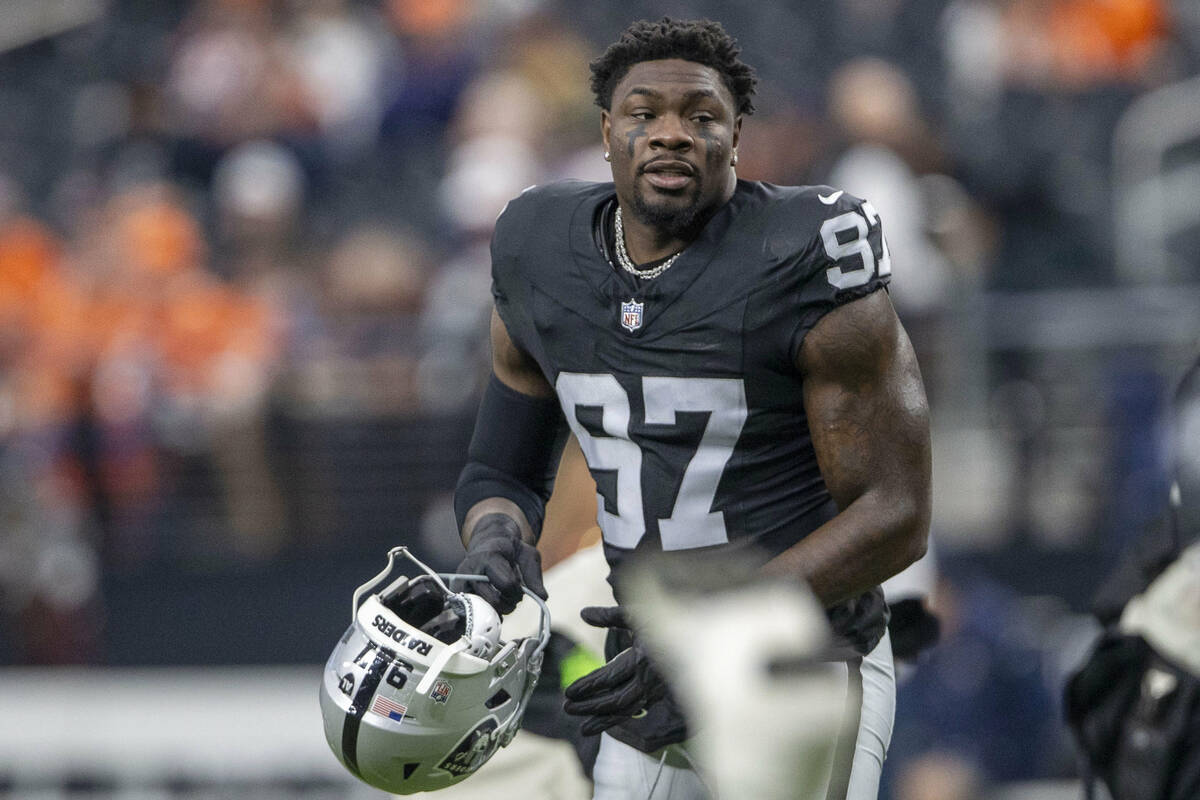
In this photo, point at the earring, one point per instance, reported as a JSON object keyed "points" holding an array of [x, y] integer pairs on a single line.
{"points": [[606, 156], [734, 162]]}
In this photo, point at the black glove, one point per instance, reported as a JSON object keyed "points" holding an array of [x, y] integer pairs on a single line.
{"points": [[858, 624], [496, 550], [622, 688], [663, 724], [913, 628]]}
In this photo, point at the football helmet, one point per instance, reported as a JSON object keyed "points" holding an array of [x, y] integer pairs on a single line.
{"points": [[420, 691]]}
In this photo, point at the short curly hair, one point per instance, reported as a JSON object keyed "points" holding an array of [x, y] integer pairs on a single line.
{"points": [[700, 40]]}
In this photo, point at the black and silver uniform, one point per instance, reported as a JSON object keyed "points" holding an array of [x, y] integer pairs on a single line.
{"points": [[683, 390]]}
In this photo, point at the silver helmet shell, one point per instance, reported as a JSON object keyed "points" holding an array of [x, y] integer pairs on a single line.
{"points": [[407, 712]]}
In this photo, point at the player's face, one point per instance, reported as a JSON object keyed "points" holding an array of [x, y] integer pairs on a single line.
{"points": [[671, 135]]}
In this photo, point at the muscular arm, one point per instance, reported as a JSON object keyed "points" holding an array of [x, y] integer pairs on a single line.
{"points": [[514, 366], [518, 371], [870, 428]]}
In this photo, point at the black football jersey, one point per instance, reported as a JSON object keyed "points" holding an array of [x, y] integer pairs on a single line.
{"points": [[682, 390]]}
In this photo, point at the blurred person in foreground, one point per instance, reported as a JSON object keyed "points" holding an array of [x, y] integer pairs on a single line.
{"points": [[727, 356], [1134, 704]]}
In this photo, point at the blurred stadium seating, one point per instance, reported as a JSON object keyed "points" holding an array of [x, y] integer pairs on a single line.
{"points": [[244, 291]]}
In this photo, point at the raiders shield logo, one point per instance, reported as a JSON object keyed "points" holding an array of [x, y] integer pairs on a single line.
{"points": [[631, 314], [474, 749]]}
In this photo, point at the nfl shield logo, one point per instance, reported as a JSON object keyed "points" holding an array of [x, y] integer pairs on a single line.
{"points": [[631, 314], [440, 691]]}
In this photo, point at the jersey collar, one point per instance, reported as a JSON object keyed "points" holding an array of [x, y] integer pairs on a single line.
{"points": [[612, 286]]}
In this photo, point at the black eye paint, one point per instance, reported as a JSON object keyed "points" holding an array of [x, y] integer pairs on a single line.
{"points": [[635, 133], [714, 149]]}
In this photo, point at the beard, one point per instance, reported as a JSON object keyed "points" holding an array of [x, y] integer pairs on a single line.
{"points": [[674, 220]]}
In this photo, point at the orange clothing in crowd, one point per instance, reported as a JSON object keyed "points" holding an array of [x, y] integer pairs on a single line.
{"points": [[141, 296], [42, 325], [1106, 37]]}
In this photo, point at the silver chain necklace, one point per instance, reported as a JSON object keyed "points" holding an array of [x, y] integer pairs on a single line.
{"points": [[627, 263]]}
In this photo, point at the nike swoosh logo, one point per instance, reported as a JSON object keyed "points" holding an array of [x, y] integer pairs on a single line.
{"points": [[831, 199]]}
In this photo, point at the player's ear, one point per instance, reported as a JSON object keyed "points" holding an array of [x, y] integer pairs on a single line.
{"points": [[605, 131], [737, 134]]}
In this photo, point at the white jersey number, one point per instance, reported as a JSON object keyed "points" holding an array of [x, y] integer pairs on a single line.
{"points": [[857, 223], [692, 522]]}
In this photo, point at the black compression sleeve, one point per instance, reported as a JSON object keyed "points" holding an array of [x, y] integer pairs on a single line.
{"points": [[514, 452]]}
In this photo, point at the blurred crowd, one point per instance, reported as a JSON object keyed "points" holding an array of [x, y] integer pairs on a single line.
{"points": [[218, 213]]}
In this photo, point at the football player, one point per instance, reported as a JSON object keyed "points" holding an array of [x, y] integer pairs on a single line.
{"points": [[726, 353]]}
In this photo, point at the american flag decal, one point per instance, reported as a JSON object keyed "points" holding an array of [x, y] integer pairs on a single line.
{"points": [[388, 708]]}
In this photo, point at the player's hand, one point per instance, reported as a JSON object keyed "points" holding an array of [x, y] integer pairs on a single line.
{"points": [[619, 690], [497, 551], [858, 624]]}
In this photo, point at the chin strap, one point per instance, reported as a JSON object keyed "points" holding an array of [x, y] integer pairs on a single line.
{"points": [[662, 760]]}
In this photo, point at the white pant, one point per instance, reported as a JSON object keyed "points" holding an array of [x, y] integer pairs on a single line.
{"points": [[625, 773]]}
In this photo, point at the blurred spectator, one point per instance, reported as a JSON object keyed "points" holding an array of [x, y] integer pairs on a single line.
{"points": [[980, 697], [342, 54], [1039, 86], [939, 776], [178, 358], [499, 130], [232, 77], [890, 153], [50, 575], [438, 63], [455, 357], [483, 174], [784, 143], [373, 284], [552, 57], [1080, 43], [258, 190], [888, 144]]}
